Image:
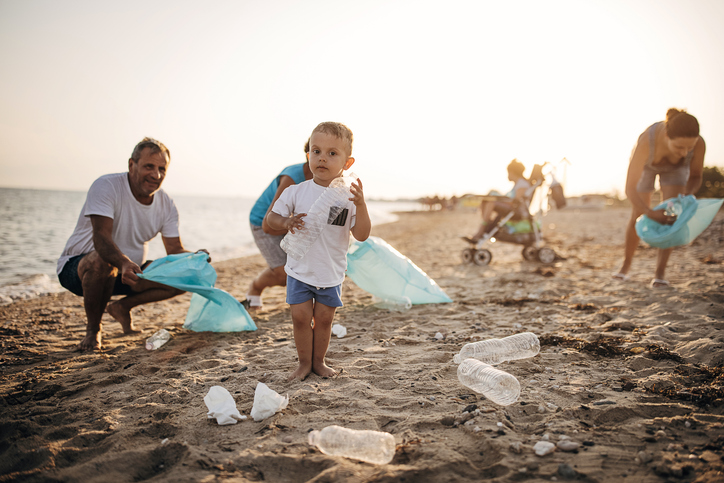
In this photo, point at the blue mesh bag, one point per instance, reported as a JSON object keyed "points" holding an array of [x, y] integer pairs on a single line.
{"points": [[692, 218], [376, 267], [211, 309]]}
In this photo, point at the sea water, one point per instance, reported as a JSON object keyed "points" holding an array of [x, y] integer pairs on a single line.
{"points": [[36, 224]]}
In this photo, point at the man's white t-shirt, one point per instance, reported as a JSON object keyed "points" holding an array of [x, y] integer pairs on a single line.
{"points": [[325, 263], [134, 224]]}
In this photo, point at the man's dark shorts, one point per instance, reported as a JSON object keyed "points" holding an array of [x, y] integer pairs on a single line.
{"points": [[70, 280]]}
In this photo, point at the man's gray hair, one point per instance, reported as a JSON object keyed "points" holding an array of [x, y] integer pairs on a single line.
{"points": [[155, 146]]}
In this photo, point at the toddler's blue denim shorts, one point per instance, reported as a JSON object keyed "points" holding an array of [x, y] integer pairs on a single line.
{"points": [[300, 292]]}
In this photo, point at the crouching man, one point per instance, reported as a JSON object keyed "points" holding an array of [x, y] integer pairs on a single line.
{"points": [[108, 247]]}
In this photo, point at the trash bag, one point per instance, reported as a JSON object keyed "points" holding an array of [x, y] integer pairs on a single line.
{"points": [[693, 216], [386, 273], [211, 309]]}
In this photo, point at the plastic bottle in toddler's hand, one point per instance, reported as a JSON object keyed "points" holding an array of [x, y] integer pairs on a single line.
{"points": [[374, 447], [336, 195]]}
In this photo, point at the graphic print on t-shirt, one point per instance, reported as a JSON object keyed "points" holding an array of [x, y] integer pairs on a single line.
{"points": [[337, 216]]}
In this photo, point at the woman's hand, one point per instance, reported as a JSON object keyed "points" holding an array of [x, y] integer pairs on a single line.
{"points": [[660, 217]]}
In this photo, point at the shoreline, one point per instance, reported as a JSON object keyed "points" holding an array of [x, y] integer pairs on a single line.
{"points": [[626, 374], [40, 284]]}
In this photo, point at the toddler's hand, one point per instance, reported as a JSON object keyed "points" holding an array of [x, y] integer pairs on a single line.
{"points": [[295, 222], [358, 196]]}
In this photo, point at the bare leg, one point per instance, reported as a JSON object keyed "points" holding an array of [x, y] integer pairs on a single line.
{"points": [[97, 278], [491, 212], [303, 338], [486, 209], [145, 292], [323, 317], [632, 239], [271, 277], [662, 258]]}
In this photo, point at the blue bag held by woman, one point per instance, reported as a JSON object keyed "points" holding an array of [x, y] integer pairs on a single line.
{"points": [[376, 267], [692, 218], [211, 309]]}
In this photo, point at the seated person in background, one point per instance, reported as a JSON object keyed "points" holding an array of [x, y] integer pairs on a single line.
{"points": [[493, 208], [121, 214]]}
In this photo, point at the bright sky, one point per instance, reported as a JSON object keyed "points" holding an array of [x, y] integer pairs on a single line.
{"points": [[440, 95]]}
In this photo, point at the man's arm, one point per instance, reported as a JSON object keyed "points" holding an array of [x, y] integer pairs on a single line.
{"points": [[109, 251], [173, 245]]}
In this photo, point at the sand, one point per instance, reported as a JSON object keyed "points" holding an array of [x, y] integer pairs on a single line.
{"points": [[631, 375]]}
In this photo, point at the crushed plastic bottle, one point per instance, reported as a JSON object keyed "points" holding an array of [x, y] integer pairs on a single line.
{"points": [[374, 447], [495, 351], [322, 212], [672, 210], [158, 339], [498, 386], [399, 304]]}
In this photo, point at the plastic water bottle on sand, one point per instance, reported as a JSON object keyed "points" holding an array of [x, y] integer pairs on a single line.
{"points": [[323, 211], [498, 386], [158, 339], [374, 447], [495, 351], [395, 304]]}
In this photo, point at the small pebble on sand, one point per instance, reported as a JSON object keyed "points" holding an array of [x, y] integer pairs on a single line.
{"points": [[568, 445], [543, 448]]}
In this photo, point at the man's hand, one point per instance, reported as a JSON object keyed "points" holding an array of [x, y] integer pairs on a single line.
{"points": [[128, 273], [208, 259]]}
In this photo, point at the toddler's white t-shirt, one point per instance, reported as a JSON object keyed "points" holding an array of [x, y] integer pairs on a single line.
{"points": [[325, 263]]}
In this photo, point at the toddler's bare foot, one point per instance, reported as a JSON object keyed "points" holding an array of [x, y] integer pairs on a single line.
{"points": [[91, 342], [116, 310], [323, 370], [301, 373]]}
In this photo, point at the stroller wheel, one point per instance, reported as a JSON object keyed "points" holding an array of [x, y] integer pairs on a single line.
{"points": [[468, 255], [530, 253], [482, 257], [546, 255]]}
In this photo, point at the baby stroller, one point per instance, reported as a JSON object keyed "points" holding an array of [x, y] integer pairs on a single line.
{"points": [[519, 226]]}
